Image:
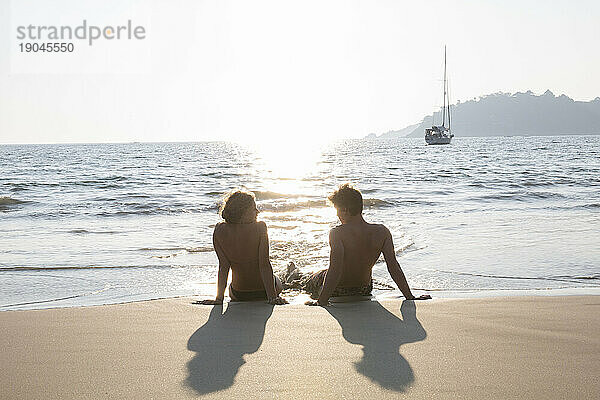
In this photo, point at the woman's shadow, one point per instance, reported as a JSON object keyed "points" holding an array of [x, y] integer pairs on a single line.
{"points": [[381, 333], [221, 343]]}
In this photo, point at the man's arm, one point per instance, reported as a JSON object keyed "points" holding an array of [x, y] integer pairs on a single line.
{"points": [[394, 268], [334, 272]]}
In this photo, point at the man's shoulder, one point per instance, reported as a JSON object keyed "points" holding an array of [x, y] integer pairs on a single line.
{"points": [[380, 230], [336, 230], [367, 226]]}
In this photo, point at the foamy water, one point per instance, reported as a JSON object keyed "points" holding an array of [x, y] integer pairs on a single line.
{"points": [[108, 223]]}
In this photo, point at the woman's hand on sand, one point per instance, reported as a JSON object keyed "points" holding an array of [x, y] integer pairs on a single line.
{"points": [[421, 297], [210, 302], [278, 301], [316, 303]]}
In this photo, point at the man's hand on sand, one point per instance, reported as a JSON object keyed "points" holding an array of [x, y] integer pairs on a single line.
{"points": [[278, 301], [209, 302], [421, 297]]}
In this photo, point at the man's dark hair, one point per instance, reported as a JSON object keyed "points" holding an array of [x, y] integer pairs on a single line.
{"points": [[347, 198]]}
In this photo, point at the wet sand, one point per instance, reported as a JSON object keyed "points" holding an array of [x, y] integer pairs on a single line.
{"points": [[514, 347]]}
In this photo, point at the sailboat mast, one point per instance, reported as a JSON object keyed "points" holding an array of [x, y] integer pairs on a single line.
{"points": [[444, 107], [448, 113], [447, 90]]}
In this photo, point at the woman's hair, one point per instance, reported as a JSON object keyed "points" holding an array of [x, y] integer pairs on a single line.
{"points": [[347, 198], [235, 204]]}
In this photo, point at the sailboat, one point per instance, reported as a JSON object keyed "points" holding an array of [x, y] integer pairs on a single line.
{"points": [[440, 134]]}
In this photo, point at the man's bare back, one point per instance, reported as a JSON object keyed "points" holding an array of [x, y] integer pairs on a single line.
{"points": [[363, 243], [355, 247]]}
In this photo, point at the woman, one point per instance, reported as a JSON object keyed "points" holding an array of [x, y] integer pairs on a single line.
{"points": [[242, 245]]}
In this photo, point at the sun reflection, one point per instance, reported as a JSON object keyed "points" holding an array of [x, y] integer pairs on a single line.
{"points": [[288, 161], [292, 201]]}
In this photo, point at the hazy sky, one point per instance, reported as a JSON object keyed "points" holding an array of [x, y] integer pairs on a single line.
{"points": [[281, 71]]}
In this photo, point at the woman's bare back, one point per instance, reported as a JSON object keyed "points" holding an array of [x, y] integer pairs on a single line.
{"points": [[240, 244]]}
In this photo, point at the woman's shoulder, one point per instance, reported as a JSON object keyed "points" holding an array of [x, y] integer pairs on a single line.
{"points": [[261, 229], [219, 227], [261, 225]]}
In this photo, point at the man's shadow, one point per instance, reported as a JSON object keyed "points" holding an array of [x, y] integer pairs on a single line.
{"points": [[221, 343], [381, 333]]}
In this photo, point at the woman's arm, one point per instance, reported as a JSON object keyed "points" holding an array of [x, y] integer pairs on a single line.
{"points": [[264, 265], [223, 274]]}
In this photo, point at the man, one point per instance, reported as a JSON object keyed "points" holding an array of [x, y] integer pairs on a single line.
{"points": [[355, 248]]}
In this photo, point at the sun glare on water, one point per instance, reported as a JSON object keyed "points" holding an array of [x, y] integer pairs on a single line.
{"points": [[288, 162], [294, 205]]}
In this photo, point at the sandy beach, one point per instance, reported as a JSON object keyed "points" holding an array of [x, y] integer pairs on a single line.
{"points": [[515, 347]]}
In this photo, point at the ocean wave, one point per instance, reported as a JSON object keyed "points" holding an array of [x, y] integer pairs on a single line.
{"points": [[99, 184], [57, 298], [290, 218], [268, 195], [288, 206], [101, 180], [376, 203], [284, 227], [19, 186], [57, 268], [518, 196], [201, 249], [84, 231], [485, 289], [95, 267], [16, 187], [154, 210], [417, 203], [584, 277], [166, 256], [563, 278], [405, 248], [590, 205], [106, 207]]}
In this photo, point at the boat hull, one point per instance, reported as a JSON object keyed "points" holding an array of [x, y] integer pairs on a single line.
{"points": [[437, 140]]}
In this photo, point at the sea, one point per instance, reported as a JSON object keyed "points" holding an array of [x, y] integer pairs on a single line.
{"points": [[92, 224]]}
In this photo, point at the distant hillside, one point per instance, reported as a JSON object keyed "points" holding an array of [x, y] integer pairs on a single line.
{"points": [[520, 114], [393, 134]]}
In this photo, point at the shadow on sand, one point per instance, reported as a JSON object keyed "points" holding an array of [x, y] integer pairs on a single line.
{"points": [[381, 333], [221, 343]]}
